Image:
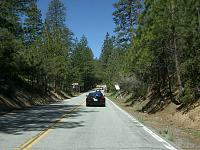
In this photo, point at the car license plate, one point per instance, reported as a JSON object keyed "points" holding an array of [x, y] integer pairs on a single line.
{"points": [[95, 99]]}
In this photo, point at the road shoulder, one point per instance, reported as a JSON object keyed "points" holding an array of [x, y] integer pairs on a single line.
{"points": [[166, 129]]}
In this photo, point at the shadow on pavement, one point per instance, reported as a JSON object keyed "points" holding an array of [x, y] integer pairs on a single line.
{"points": [[40, 117]]}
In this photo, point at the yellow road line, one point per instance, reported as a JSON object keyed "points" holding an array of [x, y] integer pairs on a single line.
{"points": [[30, 142]]}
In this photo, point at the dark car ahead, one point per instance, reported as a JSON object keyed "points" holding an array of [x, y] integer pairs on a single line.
{"points": [[95, 99]]}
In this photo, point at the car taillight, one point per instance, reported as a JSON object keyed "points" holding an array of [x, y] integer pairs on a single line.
{"points": [[102, 98], [89, 98]]}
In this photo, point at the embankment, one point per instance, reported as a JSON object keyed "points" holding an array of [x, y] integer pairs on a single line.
{"points": [[179, 126], [23, 99]]}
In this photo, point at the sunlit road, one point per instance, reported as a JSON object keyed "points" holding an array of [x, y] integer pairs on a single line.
{"points": [[72, 126]]}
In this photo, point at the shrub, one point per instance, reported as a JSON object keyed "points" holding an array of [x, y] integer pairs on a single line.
{"points": [[133, 86]]}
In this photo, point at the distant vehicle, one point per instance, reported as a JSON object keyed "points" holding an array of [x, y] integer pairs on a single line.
{"points": [[95, 99], [102, 87], [100, 90]]}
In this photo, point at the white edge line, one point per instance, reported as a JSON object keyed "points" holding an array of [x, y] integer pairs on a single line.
{"points": [[158, 138]]}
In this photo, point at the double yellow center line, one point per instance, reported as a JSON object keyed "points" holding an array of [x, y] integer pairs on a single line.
{"points": [[30, 142]]}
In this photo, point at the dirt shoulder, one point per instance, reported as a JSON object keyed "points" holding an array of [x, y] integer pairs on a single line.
{"points": [[181, 129], [24, 99]]}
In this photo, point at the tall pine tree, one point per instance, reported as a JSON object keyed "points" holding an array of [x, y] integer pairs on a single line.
{"points": [[125, 17]]}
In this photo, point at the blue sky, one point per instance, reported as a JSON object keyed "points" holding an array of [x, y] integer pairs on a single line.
{"points": [[93, 18]]}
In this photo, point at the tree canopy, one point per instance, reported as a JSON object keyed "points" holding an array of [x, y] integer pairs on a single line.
{"points": [[155, 50], [162, 55], [41, 54]]}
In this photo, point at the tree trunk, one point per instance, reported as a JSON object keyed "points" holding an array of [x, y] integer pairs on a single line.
{"points": [[180, 87], [46, 84], [198, 12], [177, 68], [131, 18]]}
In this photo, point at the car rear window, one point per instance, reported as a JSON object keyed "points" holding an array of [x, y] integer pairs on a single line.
{"points": [[94, 94]]}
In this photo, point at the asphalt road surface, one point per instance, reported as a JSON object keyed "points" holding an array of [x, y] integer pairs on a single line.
{"points": [[72, 126]]}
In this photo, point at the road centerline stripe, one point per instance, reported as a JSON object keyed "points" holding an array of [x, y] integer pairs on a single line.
{"points": [[31, 141]]}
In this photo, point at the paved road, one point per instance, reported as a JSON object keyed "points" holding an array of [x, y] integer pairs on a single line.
{"points": [[79, 128]]}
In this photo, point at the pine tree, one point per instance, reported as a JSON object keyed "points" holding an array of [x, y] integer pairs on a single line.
{"points": [[56, 45], [110, 62], [83, 64], [106, 50], [125, 17], [56, 15], [33, 23], [11, 34], [164, 46]]}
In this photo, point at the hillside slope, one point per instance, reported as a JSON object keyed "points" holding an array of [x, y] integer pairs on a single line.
{"points": [[24, 98]]}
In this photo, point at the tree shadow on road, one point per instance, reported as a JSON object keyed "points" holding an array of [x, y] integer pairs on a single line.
{"points": [[40, 117]]}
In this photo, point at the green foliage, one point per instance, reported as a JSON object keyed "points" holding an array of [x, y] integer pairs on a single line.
{"points": [[110, 62], [83, 64], [125, 17], [56, 15], [188, 96], [42, 55], [167, 134], [131, 85], [163, 56], [196, 134], [10, 40], [171, 45], [33, 24], [157, 44]]}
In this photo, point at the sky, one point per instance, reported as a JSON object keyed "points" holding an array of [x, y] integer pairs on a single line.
{"points": [[93, 18]]}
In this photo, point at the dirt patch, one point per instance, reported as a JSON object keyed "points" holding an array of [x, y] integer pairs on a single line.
{"points": [[183, 129]]}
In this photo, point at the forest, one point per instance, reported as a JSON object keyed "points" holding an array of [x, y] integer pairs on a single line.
{"points": [[154, 53], [41, 55]]}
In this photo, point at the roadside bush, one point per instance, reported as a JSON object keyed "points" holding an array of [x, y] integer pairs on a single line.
{"points": [[8, 88], [133, 86], [188, 95]]}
